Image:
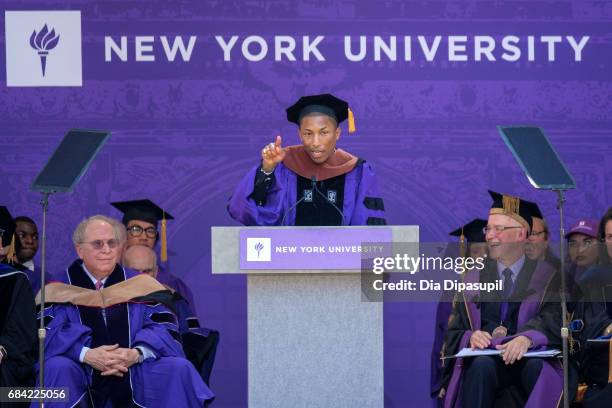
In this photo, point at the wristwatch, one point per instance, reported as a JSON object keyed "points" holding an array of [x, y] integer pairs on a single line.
{"points": [[140, 356]]}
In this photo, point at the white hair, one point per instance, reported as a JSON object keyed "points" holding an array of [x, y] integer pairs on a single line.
{"points": [[78, 237]]}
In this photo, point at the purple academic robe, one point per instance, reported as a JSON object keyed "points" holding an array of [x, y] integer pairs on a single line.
{"points": [[443, 312], [150, 325], [34, 279], [282, 196], [165, 277], [199, 343], [549, 387]]}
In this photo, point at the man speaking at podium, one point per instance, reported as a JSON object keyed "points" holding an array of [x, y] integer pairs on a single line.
{"points": [[313, 183]]}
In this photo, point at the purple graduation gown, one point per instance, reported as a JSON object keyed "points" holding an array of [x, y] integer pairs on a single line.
{"points": [[34, 279], [165, 277], [549, 388], [443, 312], [168, 380], [199, 343], [282, 195]]}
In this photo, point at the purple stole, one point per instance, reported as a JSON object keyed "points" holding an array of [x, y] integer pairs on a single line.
{"points": [[548, 390]]}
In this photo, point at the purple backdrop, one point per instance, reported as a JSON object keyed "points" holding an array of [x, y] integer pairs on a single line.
{"points": [[185, 132]]}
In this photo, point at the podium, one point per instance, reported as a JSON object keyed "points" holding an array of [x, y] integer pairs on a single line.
{"points": [[312, 340]]}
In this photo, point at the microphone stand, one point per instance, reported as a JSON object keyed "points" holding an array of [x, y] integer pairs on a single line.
{"points": [[313, 180], [564, 328], [42, 332]]}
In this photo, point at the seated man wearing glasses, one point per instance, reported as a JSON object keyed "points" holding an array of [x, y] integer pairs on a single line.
{"points": [[538, 243], [523, 316], [111, 337], [141, 218]]}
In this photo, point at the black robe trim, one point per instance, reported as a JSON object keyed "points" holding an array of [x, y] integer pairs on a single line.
{"points": [[48, 320], [316, 208], [193, 323], [261, 187], [116, 330], [17, 329], [376, 221], [175, 335], [165, 297], [6, 295], [374, 203], [163, 317]]}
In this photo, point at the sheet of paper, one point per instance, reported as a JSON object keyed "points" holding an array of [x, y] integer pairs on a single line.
{"points": [[598, 341], [468, 352]]}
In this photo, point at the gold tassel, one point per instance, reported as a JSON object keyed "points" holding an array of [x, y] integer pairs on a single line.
{"points": [[462, 249], [164, 241], [11, 256], [511, 204], [351, 121]]}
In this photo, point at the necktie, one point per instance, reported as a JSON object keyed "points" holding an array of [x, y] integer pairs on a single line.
{"points": [[99, 286], [508, 287], [508, 284]]}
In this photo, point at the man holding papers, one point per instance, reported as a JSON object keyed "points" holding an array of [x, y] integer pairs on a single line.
{"points": [[525, 316]]}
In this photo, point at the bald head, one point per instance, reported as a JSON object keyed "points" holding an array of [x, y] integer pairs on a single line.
{"points": [[142, 259]]}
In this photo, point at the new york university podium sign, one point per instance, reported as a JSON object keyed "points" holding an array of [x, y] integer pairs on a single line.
{"points": [[311, 336], [308, 248]]}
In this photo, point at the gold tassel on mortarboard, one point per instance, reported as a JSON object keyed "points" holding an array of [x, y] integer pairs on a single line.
{"points": [[351, 121], [164, 240], [462, 245], [511, 204], [11, 256]]}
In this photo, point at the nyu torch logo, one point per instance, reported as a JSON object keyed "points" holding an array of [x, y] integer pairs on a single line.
{"points": [[43, 42], [41, 29], [258, 247], [259, 250]]}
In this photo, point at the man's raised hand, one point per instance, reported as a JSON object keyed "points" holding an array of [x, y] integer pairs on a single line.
{"points": [[272, 154]]}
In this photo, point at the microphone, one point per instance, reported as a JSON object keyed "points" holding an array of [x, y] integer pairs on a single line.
{"points": [[313, 180], [291, 208]]}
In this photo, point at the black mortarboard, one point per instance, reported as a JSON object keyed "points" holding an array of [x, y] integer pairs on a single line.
{"points": [[533, 209], [7, 227], [326, 104], [143, 210], [472, 231], [147, 211], [512, 207]]}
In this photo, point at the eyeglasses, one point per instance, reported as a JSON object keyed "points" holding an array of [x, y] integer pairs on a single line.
{"points": [[497, 228], [136, 231], [98, 244], [536, 233]]}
